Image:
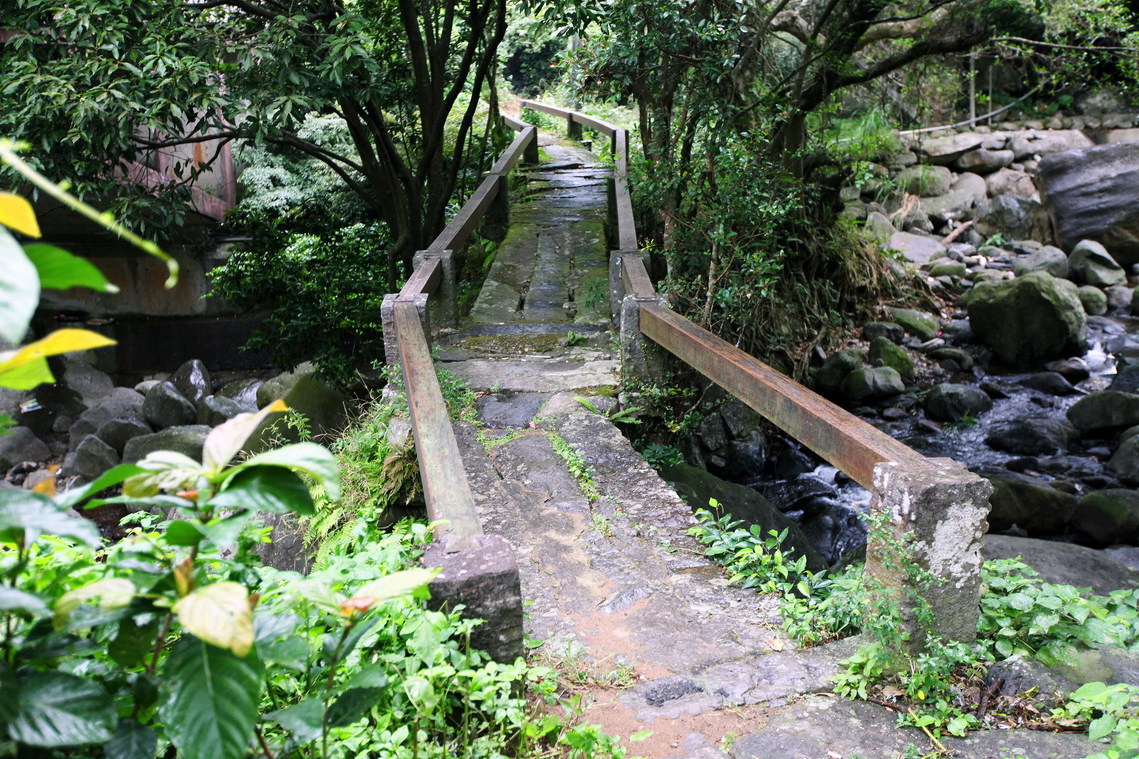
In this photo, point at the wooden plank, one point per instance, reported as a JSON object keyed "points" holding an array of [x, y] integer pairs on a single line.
{"points": [[513, 123], [597, 125], [454, 237], [425, 279], [838, 436], [543, 108], [626, 226], [636, 277], [514, 153], [445, 486]]}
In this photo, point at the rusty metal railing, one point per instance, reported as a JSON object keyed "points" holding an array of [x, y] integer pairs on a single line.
{"points": [[446, 491], [934, 504]]}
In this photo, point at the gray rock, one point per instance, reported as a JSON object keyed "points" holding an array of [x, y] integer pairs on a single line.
{"points": [[117, 432], [244, 391], [216, 409], [1120, 297], [1050, 383], [1093, 299], [165, 407], [925, 180], [1032, 143], [320, 403], [984, 161], [91, 459], [1047, 258], [880, 225], [1126, 379], [1104, 410], [192, 380], [1031, 436], [1091, 264], [952, 403], [1090, 194], [1034, 507], [834, 369], [1124, 463], [946, 150], [945, 268], [967, 191], [1108, 516], [1072, 369], [187, 440], [1011, 216], [872, 384], [1030, 319], [21, 444], [917, 323], [91, 384], [889, 330], [917, 249], [960, 357], [1020, 675], [1011, 182], [885, 352], [1064, 563], [696, 487], [122, 403]]}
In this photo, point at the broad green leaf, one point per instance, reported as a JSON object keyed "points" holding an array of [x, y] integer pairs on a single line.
{"points": [[226, 531], [114, 476], [133, 642], [15, 600], [304, 720], [274, 489], [210, 700], [17, 213], [27, 375], [164, 470], [225, 441], [1102, 726], [316, 593], [24, 516], [10, 703], [370, 676], [309, 458], [58, 709], [60, 270], [19, 289], [219, 613], [184, 533], [397, 584], [110, 593], [352, 705], [131, 741]]}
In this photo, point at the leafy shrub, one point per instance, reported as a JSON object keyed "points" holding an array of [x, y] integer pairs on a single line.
{"points": [[321, 294]]}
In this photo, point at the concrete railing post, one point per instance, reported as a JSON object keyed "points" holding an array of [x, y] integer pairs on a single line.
{"points": [[530, 155], [443, 304], [496, 221], [480, 574], [641, 358], [387, 320], [573, 129], [925, 546]]}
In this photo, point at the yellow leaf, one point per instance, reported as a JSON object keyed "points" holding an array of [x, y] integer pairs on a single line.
{"points": [[219, 614], [225, 441], [60, 341], [16, 212], [110, 592]]}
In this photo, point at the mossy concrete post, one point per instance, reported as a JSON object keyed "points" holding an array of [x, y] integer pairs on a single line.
{"points": [[617, 280], [573, 129], [443, 304], [530, 155], [496, 222], [480, 573], [387, 320], [925, 546]]}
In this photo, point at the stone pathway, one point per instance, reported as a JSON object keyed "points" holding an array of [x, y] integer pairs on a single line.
{"points": [[618, 597]]}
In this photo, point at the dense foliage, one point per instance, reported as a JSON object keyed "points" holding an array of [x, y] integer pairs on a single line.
{"points": [[102, 83]]}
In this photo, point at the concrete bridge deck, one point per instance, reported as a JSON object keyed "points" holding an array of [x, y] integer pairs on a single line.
{"points": [[618, 597]]}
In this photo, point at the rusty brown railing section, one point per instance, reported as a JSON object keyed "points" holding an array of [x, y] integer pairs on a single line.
{"points": [[936, 505], [450, 502]]}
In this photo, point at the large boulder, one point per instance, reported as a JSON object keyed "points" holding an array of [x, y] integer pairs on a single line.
{"points": [[1092, 264], [1063, 563], [924, 180], [122, 403], [1105, 410], [872, 384], [1124, 463], [697, 487], [187, 440], [20, 444], [1047, 258], [954, 403], [193, 380], [946, 150], [1108, 516], [885, 352], [164, 406], [323, 405], [1090, 194], [1012, 216], [984, 161], [1030, 144], [1032, 436], [1029, 320], [1011, 182], [829, 377], [917, 249], [1033, 507], [966, 192], [917, 323]]}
